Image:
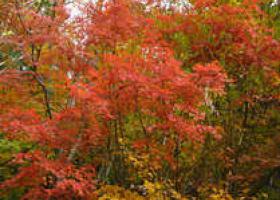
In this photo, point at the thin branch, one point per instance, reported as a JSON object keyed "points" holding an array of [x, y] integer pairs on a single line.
{"points": [[46, 95], [75, 147]]}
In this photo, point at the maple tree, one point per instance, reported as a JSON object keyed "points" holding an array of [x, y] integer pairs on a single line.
{"points": [[160, 98]]}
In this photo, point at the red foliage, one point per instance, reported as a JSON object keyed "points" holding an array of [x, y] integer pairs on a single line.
{"points": [[148, 83]]}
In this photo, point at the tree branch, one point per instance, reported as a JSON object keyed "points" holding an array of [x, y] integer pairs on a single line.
{"points": [[45, 92]]}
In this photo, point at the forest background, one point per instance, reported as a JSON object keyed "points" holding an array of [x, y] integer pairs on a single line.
{"points": [[129, 99]]}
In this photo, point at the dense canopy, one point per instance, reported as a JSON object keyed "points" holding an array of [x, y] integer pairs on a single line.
{"points": [[132, 99]]}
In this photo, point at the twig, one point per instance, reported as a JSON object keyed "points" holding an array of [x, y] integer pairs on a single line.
{"points": [[46, 96]]}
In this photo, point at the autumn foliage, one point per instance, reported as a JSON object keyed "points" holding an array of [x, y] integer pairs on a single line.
{"points": [[139, 100]]}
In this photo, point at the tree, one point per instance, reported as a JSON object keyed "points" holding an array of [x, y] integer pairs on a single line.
{"points": [[165, 101]]}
